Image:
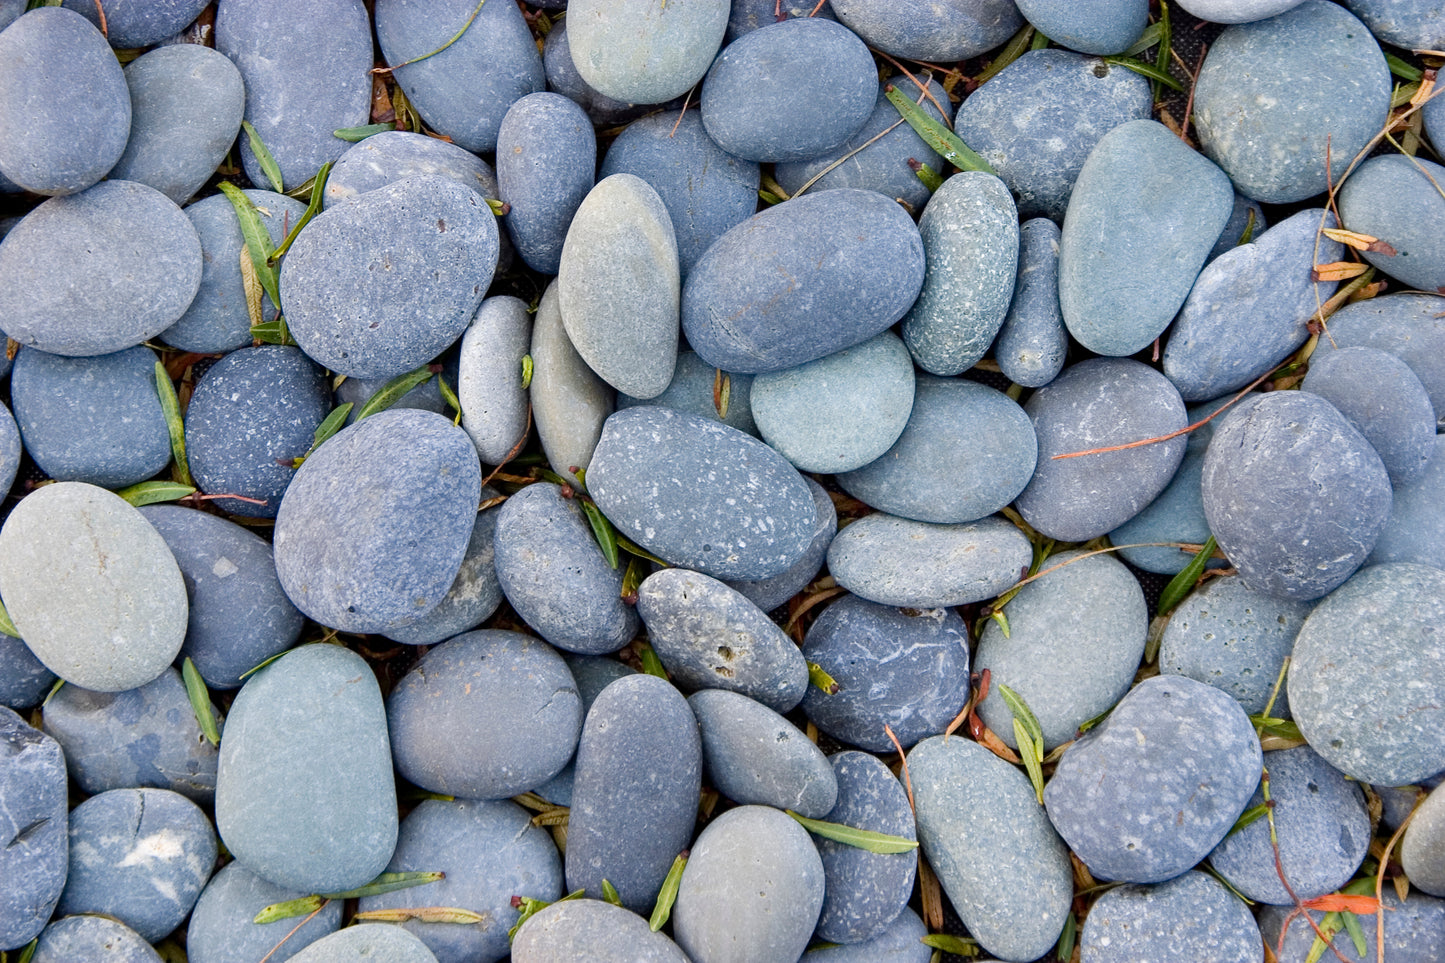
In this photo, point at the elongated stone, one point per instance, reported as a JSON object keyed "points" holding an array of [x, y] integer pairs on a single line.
{"points": [[570, 403], [35, 851], [1393, 198], [1100, 28], [1409, 326], [137, 23], [546, 158], [489, 377], [1422, 854], [1033, 341], [756, 757], [1381, 397], [917, 29]]}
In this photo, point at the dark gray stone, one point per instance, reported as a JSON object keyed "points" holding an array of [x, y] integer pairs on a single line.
{"points": [[1190, 917], [917, 29], [36, 849], [569, 402], [899, 942], [221, 928], [140, 23], [632, 50], [426, 396], [489, 377], [1381, 397], [1422, 850], [769, 593], [1409, 326], [748, 15], [391, 155], [365, 942], [475, 593], [546, 156], [24, 679], [593, 930], [92, 937], [1033, 341], [1098, 28], [1414, 930], [1415, 531], [692, 390], [756, 757]]}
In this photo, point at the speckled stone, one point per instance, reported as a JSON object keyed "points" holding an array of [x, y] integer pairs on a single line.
{"points": [[221, 928], [701, 495], [1422, 850], [251, 414], [475, 593], [638, 52], [865, 891], [1414, 930], [754, 756], [691, 390], [551, 569], [1294, 494], [489, 376], [391, 155], [307, 71], [1098, 28], [486, 715], [36, 848], [970, 236], [546, 156], [365, 942], [1415, 531], [10, 11], [91, 587], [751, 863], [1236, 11], [1144, 214], [1191, 916], [1234, 638], [140, 23], [1249, 308], [1365, 683], [1095, 404], [916, 29], [490, 853], [1148, 792], [563, 78], [709, 636], [1033, 342], [899, 942], [96, 420], [941, 469], [1409, 326], [897, 561], [92, 937], [1393, 197], [769, 593], [1381, 397], [1272, 92], [801, 280], [138, 282], [1003, 866], [315, 713], [570, 403], [906, 671], [1038, 119], [65, 112], [1411, 24], [634, 801], [592, 673], [24, 679], [594, 930]]}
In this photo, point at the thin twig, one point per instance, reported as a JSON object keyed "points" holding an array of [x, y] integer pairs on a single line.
{"points": [[104, 28], [903, 760], [683, 113], [283, 939], [1380, 882], [1189, 101], [516, 449], [919, 84], [849, 156]]}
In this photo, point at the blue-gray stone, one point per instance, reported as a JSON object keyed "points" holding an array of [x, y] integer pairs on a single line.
{"points": [[1190, 917], [186, 105], [570, 403], [95, 420], [1294, 495], [1397, 802], [490, 853], [1414, 930], [754, 756], [1422, 854], [1236, 11], [10, 11], [966, 452], [692, 390], [790, 91], [1394, 198], [1003, 866], [865, 891], [1234, 638], [35, 850], [971, 240], [1246, 216], [552, 570], [375, 525], [11, 447], [1250, 308], [705, 189], [140, 23], [367, 942], [1076, 639], [748, 15], [391, 155], [146, 737], [1148, 792], [91, 587], [1319, 824], [633, 50], [839, 412], [137, 284], [769, 593], [1411, 24], [1099, 403], [902, 668], [24, 679], [1038, 119], [307, 68], [802, 280], [305, 796], [756, 864], [1271, 94], [1176, 515], [709, 636], [221, 928], [1098, 28], [65, 112], [92, 938], [898, 561], [1145, 213], [593, 930], [701, 495], [426, 396], [592, 673], [486, 715], [139, 855], [475, 593], [250, 416], [1415, 531], [1033, 341], [374, 288], [920, 30], [1366, 680], [546, 155], [489, 377], [634, 799], [899, 942], [563, 78], [1409, 326], [1381, 397], [217, 319]]}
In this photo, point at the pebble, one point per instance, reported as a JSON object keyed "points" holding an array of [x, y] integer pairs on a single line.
{"points": [[1099, 28], [769, 593], [1411, 24], [11, 448], [563, 78], [1236, 11], [1192, 915], [140, 23], [1422, 849], [475, 593], [692, 390], [1003, 866], [748, 15], [92, 937], [316, 713], [24, 680], [546, 156], [754, 756], [1176, 515], [489, 376], [1393, 198], [635, 51], [221, 928], [1366, 681], [365, 942], [1414, 930], [899, 942], [91, 587], [1247, 215], [593, 930], [1415, 531], [1148, 792], [35, 851], [392, 155], [1033, 342], [919, 30], [1380, 396], [1409, 326], [570, 403]]}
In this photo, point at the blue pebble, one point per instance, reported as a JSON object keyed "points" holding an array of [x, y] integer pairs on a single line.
{"points": [[546, 156], [933, 473], [1191, 916], [906, 669], [592, 673], [1382, 398], [92, 938], [899, 942], [920, 30], [35, 851], [95, 420], [1409, 326], [1410, 24], [10, 11], [252, 413], [593, 930], [570, 402], [475, 593], [563, 78], [1420, 849], [1033, 341], [1099, 28], [1414, 930], [368, 941], [754, 756], [1415, 531], [1246, 216], [24, 679], [748, 15], [426, 396], [769, 593], [1236, 11], [391, 155], [789, 91], [489, 377], [1176, 515], [691, 390], [1394, 198], [140, 23], [633, 50], [222, 928]]}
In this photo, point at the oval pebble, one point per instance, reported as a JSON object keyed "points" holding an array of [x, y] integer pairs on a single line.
{"points": [[1192, 915], [222, 927], [141, 23], [24, 679], [634, 51], [1236, 11], [1100, 28], [899, 942], [1409, 326], [563, 78], [695, 389], [475, 593], [769, 593], [489, 377], [391, 155], [1411, 24], [594, 930], [92, 937], [918, 29], [546, 158], [570, 403], [1416, 529], [754, 756], [365, 942], [1422, 849], [34, 845], [1393, 198], [1381, 397], [1033, 341]]}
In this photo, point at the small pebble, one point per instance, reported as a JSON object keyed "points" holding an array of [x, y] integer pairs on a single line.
{"points": [[546, 156], [1191, 916], [489, 377], [754, 756], [1381, 397], [36, 849], [92, 937], [1033, 341]]}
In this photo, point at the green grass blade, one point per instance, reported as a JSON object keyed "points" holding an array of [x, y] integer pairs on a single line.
{"points": [[1161, 59], [389, 883], [1405, 71], [930, 177], [261, 665], [1031, 753], [527, 369], [171, 408], [531, 907], [1023, 713], [667, 895], [258, 241], [1040, 41], [1147, 70], [1180, 585], [944, 141], [353, 134], [1357, 935], [450, 397], [51, 694], [602, 530], [290, 908], [948, 943], [155, 492], [200, 698], [330, 426], [1329, 926], [1147, 39], [27, 953], [1017, 45], [651, 664], [1251, 815], [393, 391], [263, 157], [866, 839], [1067, 939], [313, 207], [1247, 234], [426, 914], [6, 626], [272, 332], [610, 894], [630, 546]]}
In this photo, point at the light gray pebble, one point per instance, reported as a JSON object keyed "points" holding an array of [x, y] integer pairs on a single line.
{"points": [[756, 757]]}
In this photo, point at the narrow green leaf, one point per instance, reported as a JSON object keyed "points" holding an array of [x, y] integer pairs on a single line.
{"points": [[393, 391], [1180, 585], [1330, 924], [51, 694], [1031, 753], [602, 530], [1088, 724], [651, 664], [867, 839], [1024, 714], [1283, 728], [171, 408], [313, 207], [931, 178], [769, 198], [154, 492], [628, 545], [1251, 815], [944, 141], [354, 134], [666, 896], [1247, 234], [258, 241], [272, 332], [531, 907], [455, 37], [329, 426], [1147, 70], [389, 883], [610, 894], [289, 908], [425, 914], [28, 953], [948, 943], [998, 616], [527, 369], [1357, 935], [1013, 50], [1040, 41], [6, 626], [1067, 938], [450, 397], [632, 577], [1405, 71], [1147, 39], [820, 679], [1161, 58], [263, 157], [498, 208], [200, 698], [261, 665]]}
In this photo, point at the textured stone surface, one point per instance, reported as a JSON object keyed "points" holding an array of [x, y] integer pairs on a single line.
{"points": [[1409, 326], [1033, 341], [1414, 929], [1192, 916], [221, 928], [633, 50], [475, 593], [590, 928], [365, 942], [1411, 24], [1099, 28], [1176, 515], [140, 23], [1236, 11], [563, 78], [1415, 531], [754, 756], [1422, 850], [35, 853], [954, 30], [899, 942], [24, 679], [546, 156], [391, 155], [769, 593], [1393, 198], [92, 937], [489, 376], [569, 402], [692, 390], [1381, 397]]}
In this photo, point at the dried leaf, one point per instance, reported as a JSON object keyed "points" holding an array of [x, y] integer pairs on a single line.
{"points": [[1338, 271], [425, 914]]}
